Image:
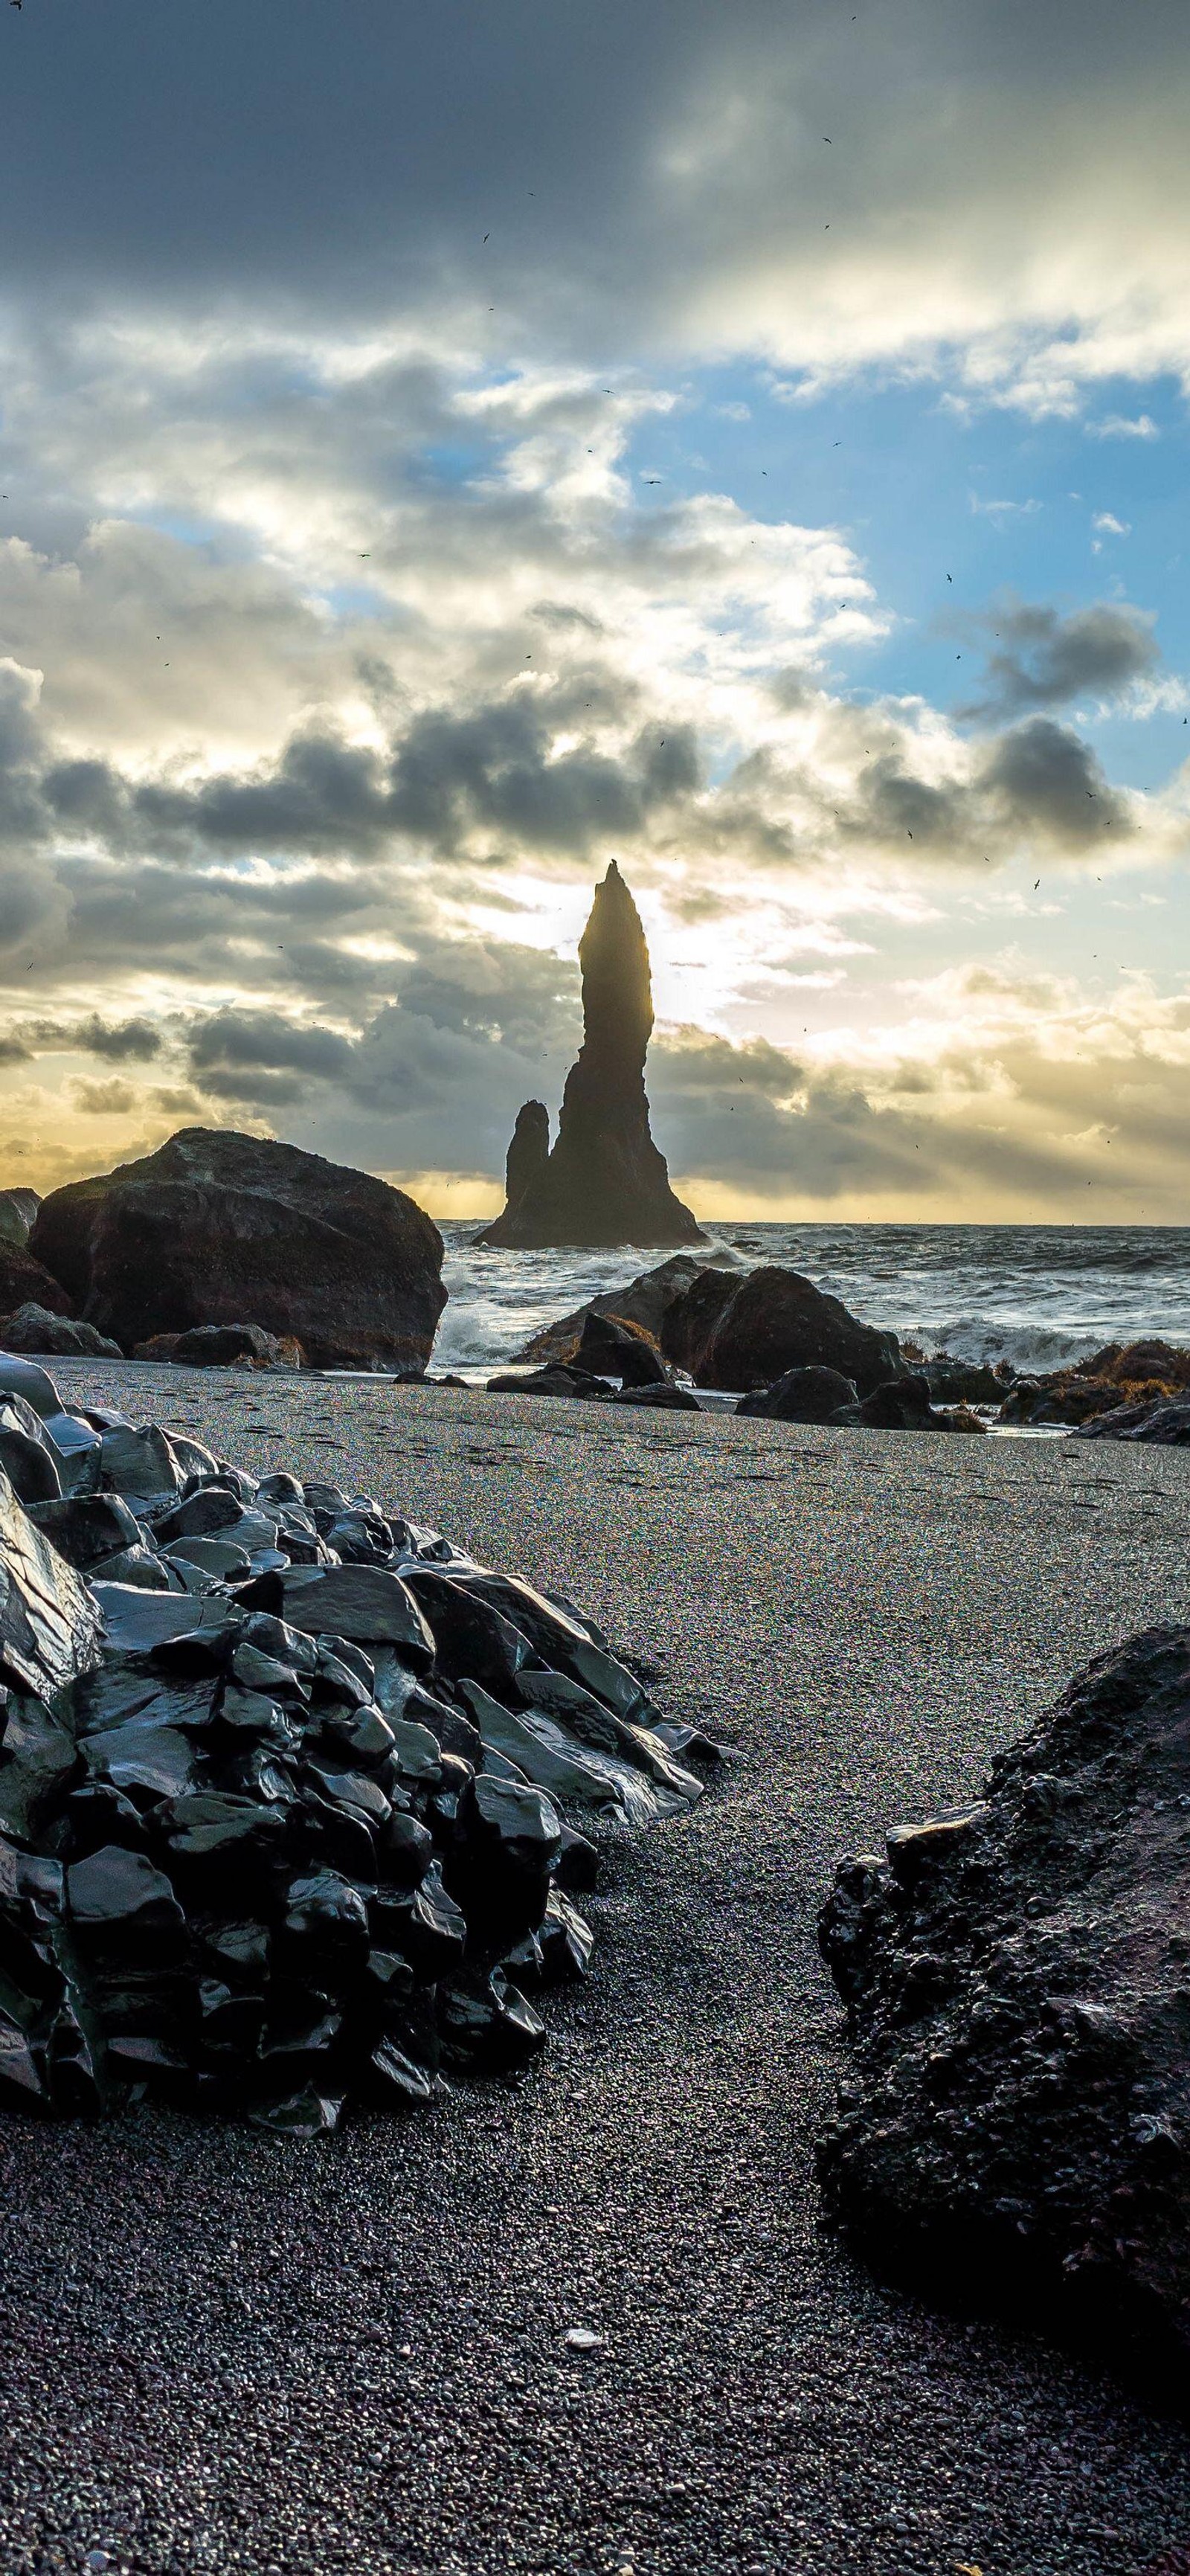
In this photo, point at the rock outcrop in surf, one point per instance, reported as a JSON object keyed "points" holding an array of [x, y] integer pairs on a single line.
{"points": [[605, 1181]]}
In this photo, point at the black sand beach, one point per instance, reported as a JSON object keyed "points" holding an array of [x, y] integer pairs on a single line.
{"points": [[218, 2352]]}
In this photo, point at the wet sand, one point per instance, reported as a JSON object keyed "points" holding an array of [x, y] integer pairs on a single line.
{"points": [[217, 2351]]}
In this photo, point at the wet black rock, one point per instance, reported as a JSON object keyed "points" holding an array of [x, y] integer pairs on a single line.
{"points": [[556, 1380], [744, 1334], [49, 1625], [1017, 2123], [272, 1842], [1165, 1423], [903, 1405], [609, 1347], [26, 1455], [670, 1398], [33, 1327], [802, 1395], [86, 1528], [216, 1226]]}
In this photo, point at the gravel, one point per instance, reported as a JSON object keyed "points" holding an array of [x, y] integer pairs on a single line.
{"points": [[373, 2354]]}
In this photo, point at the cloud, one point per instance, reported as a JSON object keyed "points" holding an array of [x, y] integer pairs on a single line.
{"points": [[1116, 424], [1009, 220], [1043, 659], [1001, 512], [105, 1099]]}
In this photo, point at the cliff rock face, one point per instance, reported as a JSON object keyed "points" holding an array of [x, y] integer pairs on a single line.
{"points": [[215, 1227], [605, 1181]]}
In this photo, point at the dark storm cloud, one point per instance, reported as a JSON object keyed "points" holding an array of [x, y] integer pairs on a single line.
{"points": [[1042, 659], [233, 1043], [120, 1041], [1042, 777], [495, 769], [618, 166], [750, 1116], [433, 1078]]}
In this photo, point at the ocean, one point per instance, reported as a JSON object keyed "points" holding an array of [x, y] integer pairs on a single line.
{"points": [[1039, 1296]]}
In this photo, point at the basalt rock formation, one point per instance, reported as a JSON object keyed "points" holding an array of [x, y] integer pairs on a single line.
{"points": [[216, 1226], [802, 1395], [528, 1153], [292, 1793], [745, 1334], [645, 1300], [1017, 2123], [605, 1181]]}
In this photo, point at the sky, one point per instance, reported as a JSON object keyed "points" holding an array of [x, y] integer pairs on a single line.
{"points": [[444, 450]]}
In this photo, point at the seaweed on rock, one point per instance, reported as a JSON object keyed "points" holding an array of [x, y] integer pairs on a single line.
{"points": [[286, 1786]]}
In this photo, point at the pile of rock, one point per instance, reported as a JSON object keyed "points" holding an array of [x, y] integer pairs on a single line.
{"points": [[1135, 1375], [798, 1353], [291, 1792], [1017, 1980], [614, 1361], [824, 1395]]}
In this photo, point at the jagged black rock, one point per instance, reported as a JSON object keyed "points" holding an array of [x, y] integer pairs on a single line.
{"points": [[283, 1784]]}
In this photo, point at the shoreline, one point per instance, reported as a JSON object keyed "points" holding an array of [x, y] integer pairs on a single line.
{"points": [[227, 2353]]}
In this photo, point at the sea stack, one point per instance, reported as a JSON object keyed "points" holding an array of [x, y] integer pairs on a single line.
{"points": [[605, 1181]]}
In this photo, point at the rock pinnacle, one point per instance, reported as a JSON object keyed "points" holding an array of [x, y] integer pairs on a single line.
{"points": [[605, 1181]]}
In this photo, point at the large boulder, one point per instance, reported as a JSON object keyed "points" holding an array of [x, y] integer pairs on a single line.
{"points": [[802, 1395], [770, 1322], [1015, 1972], [33, 1328], [645, 1300], [693, 1315], [216, 1226], [222, 1346], [611, 1347]]}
